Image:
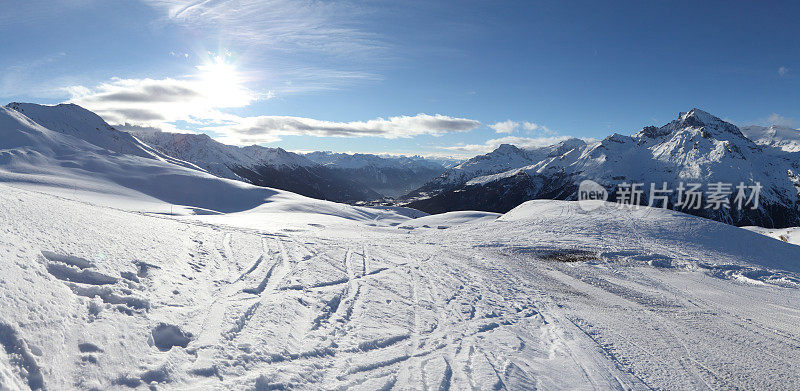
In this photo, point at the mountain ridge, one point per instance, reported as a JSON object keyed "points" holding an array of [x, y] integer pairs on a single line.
{"points": [[695, 147], [259, 165]]}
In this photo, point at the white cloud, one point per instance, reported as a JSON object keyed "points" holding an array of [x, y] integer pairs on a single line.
{"points": [[161, 102], [522, 142], [777, 119], [200, 100], [262, 129], [509, 126], [782, 71], [530, 126]]}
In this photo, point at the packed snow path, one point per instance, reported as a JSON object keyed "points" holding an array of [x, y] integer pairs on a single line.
{"points": [[96, 297]]}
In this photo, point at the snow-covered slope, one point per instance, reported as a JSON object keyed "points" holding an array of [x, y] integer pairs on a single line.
{"points": [[80, 123], [696, 147], [545, 297], [217, 158], [788, 235], [35, 157], [450, 219]]}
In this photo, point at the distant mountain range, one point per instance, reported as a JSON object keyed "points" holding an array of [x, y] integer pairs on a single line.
{"points": [[696, 147], [324, 175], [391, 176]]}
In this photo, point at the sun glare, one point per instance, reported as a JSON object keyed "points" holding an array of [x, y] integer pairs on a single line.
{"points": [[217, 72], [220, 79]]}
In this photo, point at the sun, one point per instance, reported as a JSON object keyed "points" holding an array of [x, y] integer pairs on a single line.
{"points": [[220, 79], [218, 73]]}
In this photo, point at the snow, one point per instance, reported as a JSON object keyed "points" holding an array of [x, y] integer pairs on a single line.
{"points": [[450, 219], [788, 235], [101, 287], [507, 157], [218, 158], [359, 306], [361, 160], [781, 137]]}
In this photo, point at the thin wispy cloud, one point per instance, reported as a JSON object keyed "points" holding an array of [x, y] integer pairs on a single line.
{"points": [[264, 129], [313, 79], [783, 71], [313, 26], [301, 46]]}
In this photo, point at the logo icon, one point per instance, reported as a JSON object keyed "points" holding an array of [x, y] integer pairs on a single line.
{"points": [[591, 195]]}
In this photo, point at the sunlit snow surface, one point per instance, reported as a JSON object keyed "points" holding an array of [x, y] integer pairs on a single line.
{"points": [[545, 296], [121, 272]]}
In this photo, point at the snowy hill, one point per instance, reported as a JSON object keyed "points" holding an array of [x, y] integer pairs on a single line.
{"points": [[80, 123], [696, 147], [788, 235], [391, 176], [323, 175]]}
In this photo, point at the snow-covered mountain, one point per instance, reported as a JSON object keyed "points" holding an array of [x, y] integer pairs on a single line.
{"points": [[391, 176], [128, 271], [781, 137], [324, 175], [696, 147], [262, 166], [83, 124], [32, 155]]}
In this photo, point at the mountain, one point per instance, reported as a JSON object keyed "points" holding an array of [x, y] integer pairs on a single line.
{"points": [[506, 157], [391, 176], [73, 120], [696, 147], [261, 166], [63, 160], [323, 175], [781, 137]]}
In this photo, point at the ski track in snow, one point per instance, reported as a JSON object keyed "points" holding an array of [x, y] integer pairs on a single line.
{"points": [[189, 305]]}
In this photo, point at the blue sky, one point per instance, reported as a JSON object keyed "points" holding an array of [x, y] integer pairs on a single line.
{"points": [[428, 77]]}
